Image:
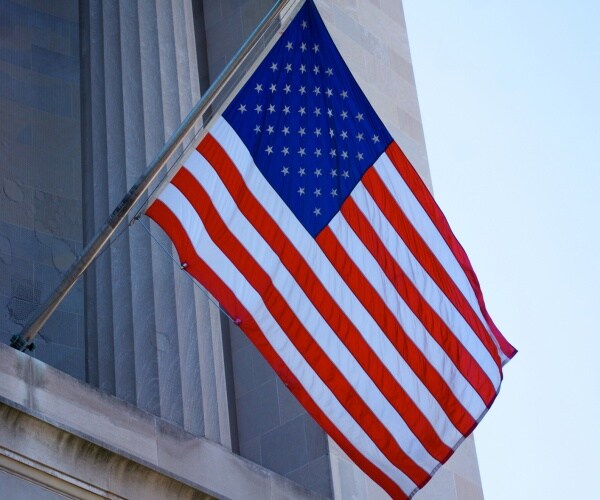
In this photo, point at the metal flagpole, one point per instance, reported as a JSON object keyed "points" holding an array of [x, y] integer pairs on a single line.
{"points": [[23, 341]]}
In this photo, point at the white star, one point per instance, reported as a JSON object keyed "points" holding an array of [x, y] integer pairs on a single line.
{"points": [[345, 155], [360, 136], [285, 151], [302, 111], [329, 92], [344, 134], [274, 66], [317, 211], [317, 111], [302, 68], [288, 67], [285, 130], [332, 153], [302, 151], [285, 170], [331, 133], [289, 45], [360, 117], [317, 90], [269, 150], [333, 172], [334, 192], [329, 112], [302, 131], [344, 115], [375, 139], [303, 47], [329, 72], [300, 191], [287, 89], [271, 108], [302, 90], [302, 172], [257, 129], [315, 48], [270, 129], [344, 94], [318, 132], [286, 110], [316, 70], [317, 192], [318, 172], [359, 156], [242, 108], [345, 174], [258, 108], [318, 152], [273, 88], [258, 87], [304, 25]]}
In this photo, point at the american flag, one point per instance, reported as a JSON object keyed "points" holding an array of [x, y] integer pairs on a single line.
{"points": [[305, 220]]}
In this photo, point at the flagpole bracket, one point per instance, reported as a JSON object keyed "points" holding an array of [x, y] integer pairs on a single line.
{"points": [[20, 344]]}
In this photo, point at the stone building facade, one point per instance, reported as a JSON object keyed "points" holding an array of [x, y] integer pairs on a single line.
{"points": [[139, 387]]}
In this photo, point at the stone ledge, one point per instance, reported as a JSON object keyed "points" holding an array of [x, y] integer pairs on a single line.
{"points": [[64, 403]]}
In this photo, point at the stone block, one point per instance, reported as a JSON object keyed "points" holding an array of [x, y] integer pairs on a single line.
{"points": [[221, 49], [251, 450], [39, 93], [252, 13], [441, 487], [242, 372], [47, 19], [55, 64], [289, 407], [284, 448], [316, 439], [58, 216], [61, 330], [466, 490], [70, 360], [16, 203], [464, 462], [315, 475], [261, 370], [257, 411], [238, 338]]}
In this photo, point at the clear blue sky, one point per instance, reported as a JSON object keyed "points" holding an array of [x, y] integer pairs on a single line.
{"points": [[509, 96]]}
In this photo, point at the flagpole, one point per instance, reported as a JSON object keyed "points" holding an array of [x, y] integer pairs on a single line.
{"points": [[23, 341]]}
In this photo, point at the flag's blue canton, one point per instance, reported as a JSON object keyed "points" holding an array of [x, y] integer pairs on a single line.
{"points": [[306, 123]]}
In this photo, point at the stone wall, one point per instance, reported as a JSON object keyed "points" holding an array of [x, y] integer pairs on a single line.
{"points": [[40, 173]]}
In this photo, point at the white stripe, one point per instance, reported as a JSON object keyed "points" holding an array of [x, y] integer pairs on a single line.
{"points": [[427, 287], [413, 328], [426, 228], [328, 275], [252, 301], [310, 317]]}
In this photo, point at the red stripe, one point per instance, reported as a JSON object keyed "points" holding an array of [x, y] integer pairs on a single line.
{"points": [[323, 301], [417, 246], [418, 188], [360, 286], [460, 356], [292, 326], [205, 275]]}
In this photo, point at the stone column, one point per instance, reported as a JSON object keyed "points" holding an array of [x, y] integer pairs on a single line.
{"points": [[153, 338]]}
